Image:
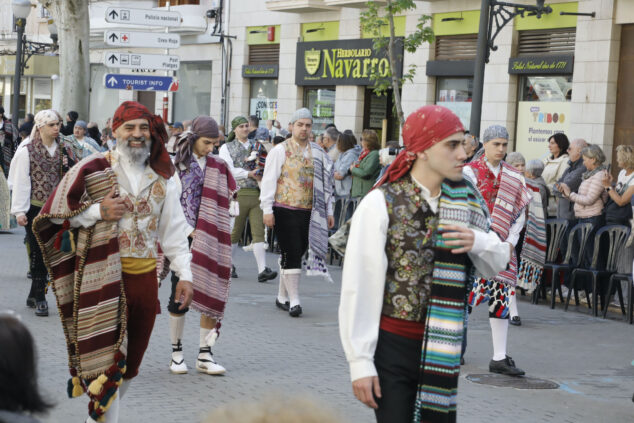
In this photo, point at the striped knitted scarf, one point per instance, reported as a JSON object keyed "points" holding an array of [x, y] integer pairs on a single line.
{"points": [[85, 268], [323, 184], [211, 248], [460, 204], [533, 254]]}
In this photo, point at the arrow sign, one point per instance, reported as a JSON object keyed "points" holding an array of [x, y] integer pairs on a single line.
{"points": [[140, 82], [149, 17], [141, 61], [142, 39]]}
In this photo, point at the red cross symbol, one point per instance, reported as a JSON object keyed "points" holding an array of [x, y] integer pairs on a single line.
{"points": [[125, 38]]}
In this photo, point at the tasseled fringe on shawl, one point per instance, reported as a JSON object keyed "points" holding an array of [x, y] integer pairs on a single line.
{"points": [[65, 239], [529, 275]]}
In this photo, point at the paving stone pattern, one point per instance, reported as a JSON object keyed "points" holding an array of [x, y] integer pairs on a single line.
{"points": [[268, 353]]}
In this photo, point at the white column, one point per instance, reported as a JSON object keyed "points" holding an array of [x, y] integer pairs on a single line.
{"points": [[595, 75]]}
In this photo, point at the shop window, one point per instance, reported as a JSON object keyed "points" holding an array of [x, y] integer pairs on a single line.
{"points": [[456, 95], [193, 97], [321, 102], [41, 94], [551, 41], [546, 88], [163, 3], [263, 100], [456, 47]]}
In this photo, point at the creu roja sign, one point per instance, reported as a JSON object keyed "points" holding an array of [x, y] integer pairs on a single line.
{"points": [[343, 62]]}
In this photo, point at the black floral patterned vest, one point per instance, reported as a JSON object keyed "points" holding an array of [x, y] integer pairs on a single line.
{"points": [[239, 155], [409, 249]]}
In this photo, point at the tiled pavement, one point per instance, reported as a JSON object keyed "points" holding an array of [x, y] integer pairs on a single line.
{"points": [[268, 353]]}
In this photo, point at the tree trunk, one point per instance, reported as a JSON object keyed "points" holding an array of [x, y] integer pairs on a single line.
{"points": [[73, 26], [391, 55]]}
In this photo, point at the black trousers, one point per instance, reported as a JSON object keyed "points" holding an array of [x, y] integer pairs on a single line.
{"points": [[291, 229], [39, 274], [397, 361]]}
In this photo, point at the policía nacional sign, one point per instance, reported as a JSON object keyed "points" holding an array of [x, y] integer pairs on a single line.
{"points": [[343, 62], [149, 17], [260, 71], [545, 64]]}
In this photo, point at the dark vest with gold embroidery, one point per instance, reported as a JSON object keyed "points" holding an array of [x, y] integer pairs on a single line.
{"points": [[409, 249]]}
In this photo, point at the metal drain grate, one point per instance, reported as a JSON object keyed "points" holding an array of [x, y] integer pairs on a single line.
{"points": [[503, 381]]}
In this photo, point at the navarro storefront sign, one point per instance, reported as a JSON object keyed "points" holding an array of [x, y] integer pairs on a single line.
{"points": [[343, 62], [260, 71], [541, 64]]}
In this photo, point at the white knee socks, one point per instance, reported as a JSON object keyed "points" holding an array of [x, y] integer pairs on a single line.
{"points": [[513, 306], [282, 293], [291, 281], [177, 325], [499, 332], [259, 251], [207, 337]]}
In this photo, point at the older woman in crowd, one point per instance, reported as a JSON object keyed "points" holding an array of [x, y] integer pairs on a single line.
{"points": [[555, 165], [366, 169], [349, 152], [533, 174], [589, 203]]}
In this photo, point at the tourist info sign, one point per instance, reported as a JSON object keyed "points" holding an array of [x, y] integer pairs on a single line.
{"points": [[141, 61], [117, 81], [150, 17], [142, 39]]}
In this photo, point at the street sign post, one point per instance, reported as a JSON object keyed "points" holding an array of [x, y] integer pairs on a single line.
{"points": [[149, 17], [141, 61], [142, 39], [117, 81]]}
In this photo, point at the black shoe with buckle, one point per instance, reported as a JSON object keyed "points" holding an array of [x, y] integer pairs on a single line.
{"points": [[41, 308], [284, 306], [266, 275], [515, 321], [234, 275], [505, 367], [295, 311]]}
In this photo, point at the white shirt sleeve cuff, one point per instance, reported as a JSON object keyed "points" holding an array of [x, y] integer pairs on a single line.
{"points": [[181, 265], [362, 368], [479, 242]]}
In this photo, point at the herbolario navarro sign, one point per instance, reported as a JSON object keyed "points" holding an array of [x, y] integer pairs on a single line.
{"points": [[546, 64], [343, 62]]}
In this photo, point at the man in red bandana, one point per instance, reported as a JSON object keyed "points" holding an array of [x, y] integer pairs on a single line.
{"points": [[102, 226], [414, 242]]}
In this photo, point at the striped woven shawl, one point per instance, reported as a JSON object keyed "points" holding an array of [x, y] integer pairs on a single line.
{"points": [[211, 248], [460, 204], [533, 255], [86, 279]]}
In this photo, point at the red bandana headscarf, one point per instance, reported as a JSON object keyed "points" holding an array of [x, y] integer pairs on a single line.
{"points": [[159, 157], [423, 129]]}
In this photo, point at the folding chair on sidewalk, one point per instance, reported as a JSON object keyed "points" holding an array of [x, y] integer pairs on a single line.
{"points": [[555, 230], [617, 236]]}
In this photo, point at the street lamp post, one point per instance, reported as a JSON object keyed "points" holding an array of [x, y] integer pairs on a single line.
{"points": [[21, 9], [494, 15]]}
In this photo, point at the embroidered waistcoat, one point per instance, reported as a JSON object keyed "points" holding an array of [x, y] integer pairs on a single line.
{"points": [[409, 250], [295, 184], [192, 182], [138, 228], [239, 155], [45, 170]]}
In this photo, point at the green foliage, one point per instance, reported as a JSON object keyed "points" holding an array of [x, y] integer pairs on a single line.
{"points": [[375, 18]]}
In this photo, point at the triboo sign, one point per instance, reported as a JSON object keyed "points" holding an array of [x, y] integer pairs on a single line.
{"points": [[142, 39], [141, 61], [149, 17]]}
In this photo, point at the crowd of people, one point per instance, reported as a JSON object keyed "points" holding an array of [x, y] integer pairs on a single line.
{"points": [[441, 224]]}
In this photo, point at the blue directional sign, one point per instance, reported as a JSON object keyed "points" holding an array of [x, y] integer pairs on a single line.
{"points": [[117, 81]]}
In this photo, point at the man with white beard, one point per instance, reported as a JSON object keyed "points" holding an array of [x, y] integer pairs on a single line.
{"points": [[102, 226]]}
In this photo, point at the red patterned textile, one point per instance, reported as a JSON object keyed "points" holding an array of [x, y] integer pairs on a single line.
{"points": [[425, 127], [159, 157]]}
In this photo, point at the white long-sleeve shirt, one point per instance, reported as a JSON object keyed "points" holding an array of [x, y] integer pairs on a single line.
{"points": [[237, 172], [365, 268], [172, 226], [20, 178], [272, 171], [517, 226]]}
